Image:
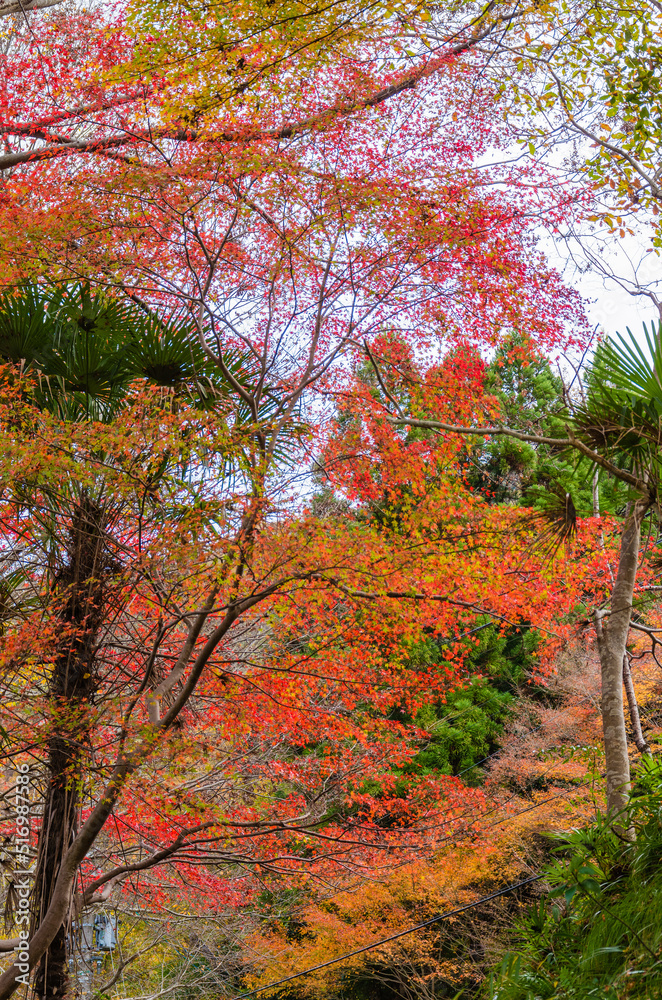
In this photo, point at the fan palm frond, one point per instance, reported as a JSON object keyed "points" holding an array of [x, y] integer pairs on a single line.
{"points": [[16, 595], [87, 348], [625, 366], [28, 331], [622, 414], [554, 520]]}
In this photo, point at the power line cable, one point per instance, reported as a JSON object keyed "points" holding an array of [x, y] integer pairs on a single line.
{"points": [[393, 937]]}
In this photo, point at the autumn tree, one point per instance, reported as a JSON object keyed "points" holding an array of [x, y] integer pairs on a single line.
{"points": [[614, 425], [303, 193], [154, 65], [584, 89], [85, 352], [150, 524]]}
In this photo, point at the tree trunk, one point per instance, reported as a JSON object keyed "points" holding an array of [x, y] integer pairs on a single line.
{"points": [[635, 720], [78, 615], [612, 640]]}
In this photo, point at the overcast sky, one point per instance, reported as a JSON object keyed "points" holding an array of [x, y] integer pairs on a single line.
{"points": [[612, 307], [609, 303]]}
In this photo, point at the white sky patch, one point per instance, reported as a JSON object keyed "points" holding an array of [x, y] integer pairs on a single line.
{"points": [[607, 274]]}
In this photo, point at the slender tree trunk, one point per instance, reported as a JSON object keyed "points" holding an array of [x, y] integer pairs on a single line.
{"points": [[78, 612], [612, 640], [637, 732]]}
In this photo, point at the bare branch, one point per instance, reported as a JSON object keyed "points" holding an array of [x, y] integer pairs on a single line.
{"points": [[570, 442]]}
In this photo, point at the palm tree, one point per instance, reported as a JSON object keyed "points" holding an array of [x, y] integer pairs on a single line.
{"points": [[82, 353], [621, 421]]}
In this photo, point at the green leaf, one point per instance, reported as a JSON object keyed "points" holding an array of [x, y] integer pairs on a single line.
{"points": [[589, 885]]}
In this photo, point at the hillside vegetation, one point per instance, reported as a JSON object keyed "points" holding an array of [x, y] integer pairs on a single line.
{"points": [[598, 931]]}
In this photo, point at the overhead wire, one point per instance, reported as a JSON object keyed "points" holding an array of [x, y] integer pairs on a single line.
{"points": [[415, 927], [393, 937]]}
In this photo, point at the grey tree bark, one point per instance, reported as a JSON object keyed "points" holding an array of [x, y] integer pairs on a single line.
{"points": [[635, 721], [612, 642]]}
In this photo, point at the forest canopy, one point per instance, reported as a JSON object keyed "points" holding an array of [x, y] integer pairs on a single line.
{"points": [[329, 562]]}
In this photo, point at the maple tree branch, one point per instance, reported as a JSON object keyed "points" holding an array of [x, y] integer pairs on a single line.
{"points": [[125, 767], [410, 595], [29, 128], [639, 739], [570, 442], [375, 366], [154, 697], [645, 628], [25, 6], [88, 895], [307, 375], [102, 991], [343, 109], [598, 140], [81, 146]]}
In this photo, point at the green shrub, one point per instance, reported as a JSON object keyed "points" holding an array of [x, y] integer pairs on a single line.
{"points": [[463, 731], [598, 931], [465, 728]]}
